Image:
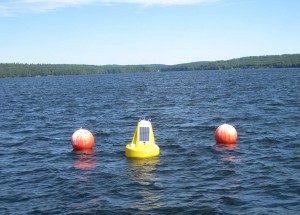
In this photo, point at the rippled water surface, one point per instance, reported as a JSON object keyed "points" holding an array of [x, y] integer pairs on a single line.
{"points": [[40, 174]]}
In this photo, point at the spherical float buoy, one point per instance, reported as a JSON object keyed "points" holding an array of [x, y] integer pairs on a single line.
{"points": [[82, 139], [226, 134]]}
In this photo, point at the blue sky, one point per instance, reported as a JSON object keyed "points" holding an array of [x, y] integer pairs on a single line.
{"points": [[125, 32]]}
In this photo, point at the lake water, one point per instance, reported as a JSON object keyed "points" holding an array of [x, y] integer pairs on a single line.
{"points": [[40, 174]]}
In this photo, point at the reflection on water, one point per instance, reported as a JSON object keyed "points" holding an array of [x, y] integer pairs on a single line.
{"points": [[148, 201], [227, 150], [230, 184], [232, 159], [224, 147], [85, 159], [142, 172]]}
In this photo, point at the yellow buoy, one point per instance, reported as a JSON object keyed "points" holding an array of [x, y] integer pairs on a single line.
{"points": [[143, 142]]}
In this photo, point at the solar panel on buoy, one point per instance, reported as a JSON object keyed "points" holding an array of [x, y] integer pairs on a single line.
{"points": [[144, 134]]}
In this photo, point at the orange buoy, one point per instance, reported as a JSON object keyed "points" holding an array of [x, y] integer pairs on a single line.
{"points": [[226, 134], [82, 139]]}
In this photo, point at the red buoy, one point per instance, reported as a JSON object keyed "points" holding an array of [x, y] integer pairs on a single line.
{"points": [[226, 134], [82, 139]]}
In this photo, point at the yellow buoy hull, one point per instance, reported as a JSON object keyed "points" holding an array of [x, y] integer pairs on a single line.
{"points": [[143, 142], [142, 151]]}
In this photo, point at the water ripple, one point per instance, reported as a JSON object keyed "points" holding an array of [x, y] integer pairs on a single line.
{"points": [[41, 174]]}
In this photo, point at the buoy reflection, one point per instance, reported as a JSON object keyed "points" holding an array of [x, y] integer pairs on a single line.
{"points": [[227, 150], [142, 171], [224, 147], [85, 159]]}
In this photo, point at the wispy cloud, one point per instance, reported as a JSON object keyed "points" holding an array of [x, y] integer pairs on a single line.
{"points": [[8, 7]]}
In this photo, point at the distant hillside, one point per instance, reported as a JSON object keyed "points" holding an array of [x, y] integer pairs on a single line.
{"points": [[272, 61], [29, 70]]}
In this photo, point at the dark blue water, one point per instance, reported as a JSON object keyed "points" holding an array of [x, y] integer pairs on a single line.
{"points": [[40, 174]]}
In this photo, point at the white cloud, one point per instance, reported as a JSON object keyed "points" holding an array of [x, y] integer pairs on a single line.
{"points": [[8, 7]]}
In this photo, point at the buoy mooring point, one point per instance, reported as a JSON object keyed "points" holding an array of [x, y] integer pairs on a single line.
{"points": [[143, 142], [82, 139], [226, 134]]}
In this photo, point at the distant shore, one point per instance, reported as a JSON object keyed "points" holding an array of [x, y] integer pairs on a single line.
{"points": [[256, 62]]}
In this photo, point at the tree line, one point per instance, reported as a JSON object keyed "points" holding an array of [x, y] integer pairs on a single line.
{"points": [[272, 61], [30, 70]]}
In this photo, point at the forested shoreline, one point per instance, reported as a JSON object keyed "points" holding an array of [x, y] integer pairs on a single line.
{"points": [[271, 61], [29, 70]]}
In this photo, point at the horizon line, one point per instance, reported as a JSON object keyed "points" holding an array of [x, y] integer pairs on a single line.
{"points": [[249, 56]]}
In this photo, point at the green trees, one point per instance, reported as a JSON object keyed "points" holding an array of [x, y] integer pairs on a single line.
{"points": [[22, 70], [273, 61]]}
